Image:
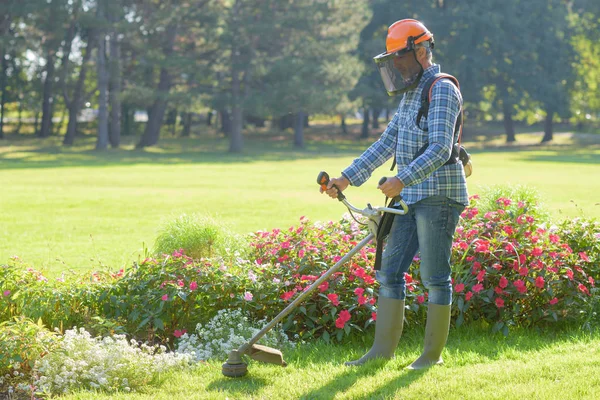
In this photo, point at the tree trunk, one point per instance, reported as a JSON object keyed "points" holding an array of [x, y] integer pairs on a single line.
{"points": [[47, 96], [20, 118], [102, 141], [548, 134], [157, 111], [376, 112], [299, 129], [236, 141], [36, 122], [209, 116], [343, 125], [187, 124], [3, 89], [225, 122], [509, 127], [365, 125], [126, 123], [74, 104], [115, 91]]}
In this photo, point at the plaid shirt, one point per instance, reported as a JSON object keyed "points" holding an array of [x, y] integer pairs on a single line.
{"points": [[427, 175]]}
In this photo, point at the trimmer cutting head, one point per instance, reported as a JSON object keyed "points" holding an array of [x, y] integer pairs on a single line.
{"points": [[234, 367]]}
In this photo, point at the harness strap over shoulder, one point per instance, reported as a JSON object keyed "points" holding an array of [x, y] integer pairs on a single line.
{"points": [[424, 111]]}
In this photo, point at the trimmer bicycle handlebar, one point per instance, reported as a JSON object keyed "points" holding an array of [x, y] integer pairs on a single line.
{"points": [[323, 180]]}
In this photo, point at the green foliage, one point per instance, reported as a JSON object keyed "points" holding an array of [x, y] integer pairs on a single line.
{"points": [[22, 343], [519, 194], [199, 237]]}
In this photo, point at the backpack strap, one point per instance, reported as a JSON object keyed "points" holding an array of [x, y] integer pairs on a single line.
{"points": [[424, 111]]}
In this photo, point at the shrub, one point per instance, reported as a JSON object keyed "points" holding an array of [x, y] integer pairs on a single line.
{"points": [[199, 237], [22, 343]]}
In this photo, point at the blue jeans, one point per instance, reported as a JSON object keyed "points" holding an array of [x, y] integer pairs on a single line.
{"points": [[428, 227]]}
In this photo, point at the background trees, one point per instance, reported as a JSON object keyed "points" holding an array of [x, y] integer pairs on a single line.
{"points": [[68, 62]]}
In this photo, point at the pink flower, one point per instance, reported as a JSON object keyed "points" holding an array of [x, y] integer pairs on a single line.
{"points": [[539, 282], [520, 285], [497, 267], [374, 316], [420, 299], [482, 246], [334, 299], [503, 282], [583, 289], [523, 271], [301, 253], [408, 278], [248, 296], [179, 333], [165, 297], [180, 283], [343, 317], [193, 285], [570, 274], [6, 293], [324, 286], [499, 302], [468, 296], [459, 288], [362, 300], [553, 301], [480, 275], [591, 280], [498, 290], [536, 252], [584, 256], [554, 238], [477, 288], [359, 291], [288, 295]]}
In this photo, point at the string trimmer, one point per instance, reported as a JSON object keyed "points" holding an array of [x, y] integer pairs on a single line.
{"points": [[235, 366]]}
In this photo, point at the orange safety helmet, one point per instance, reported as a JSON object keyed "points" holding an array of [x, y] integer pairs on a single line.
{"points": [[403, 37]]}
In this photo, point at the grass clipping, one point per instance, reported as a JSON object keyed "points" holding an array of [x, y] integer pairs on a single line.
{"points": [[200, 236]]}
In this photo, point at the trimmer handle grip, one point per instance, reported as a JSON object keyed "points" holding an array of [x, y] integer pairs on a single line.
{"points": [[323, 180], [395, 199]]}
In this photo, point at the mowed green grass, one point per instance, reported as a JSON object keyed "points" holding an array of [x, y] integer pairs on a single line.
{"points": [[80, 209], [478, 365]]}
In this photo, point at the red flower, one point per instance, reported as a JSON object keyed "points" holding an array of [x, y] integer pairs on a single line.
{"points": [[536, 252], [179, 333], [468, 296], [359, 291], [520, 285], [583, 289], [553, 301], [584, 256], [288, 295], [499, 302], [539, 282], [523, 271], [498, 290], [482, 246], [554, 238], [408, 278], [480, 276], [344, 316], [324, 286], [334, 299], [503, 282], [477, 288], [193, 285], [591, 280], [374, 316], [570, 274], [420, 299], [459, 288], [497, 267]]}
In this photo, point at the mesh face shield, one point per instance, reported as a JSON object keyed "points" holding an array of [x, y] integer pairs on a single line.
{"points": [[400, 71]]}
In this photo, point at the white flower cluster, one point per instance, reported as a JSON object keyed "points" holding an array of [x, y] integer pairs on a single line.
{"points": [[227, 330], [109, 364]]}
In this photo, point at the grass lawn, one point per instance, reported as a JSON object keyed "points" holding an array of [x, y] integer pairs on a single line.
{"points": [[548, 365], [74, 208], [79, 209]]}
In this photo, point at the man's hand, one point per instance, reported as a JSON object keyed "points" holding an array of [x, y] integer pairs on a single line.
{"points": [[391, 187], [341, 183]]}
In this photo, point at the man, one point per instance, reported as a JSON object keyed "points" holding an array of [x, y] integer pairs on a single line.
{"points": [[434, 189]]}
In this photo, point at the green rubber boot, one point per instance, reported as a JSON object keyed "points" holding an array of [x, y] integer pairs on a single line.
{"points": [[436, 334], [388, 329]]}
